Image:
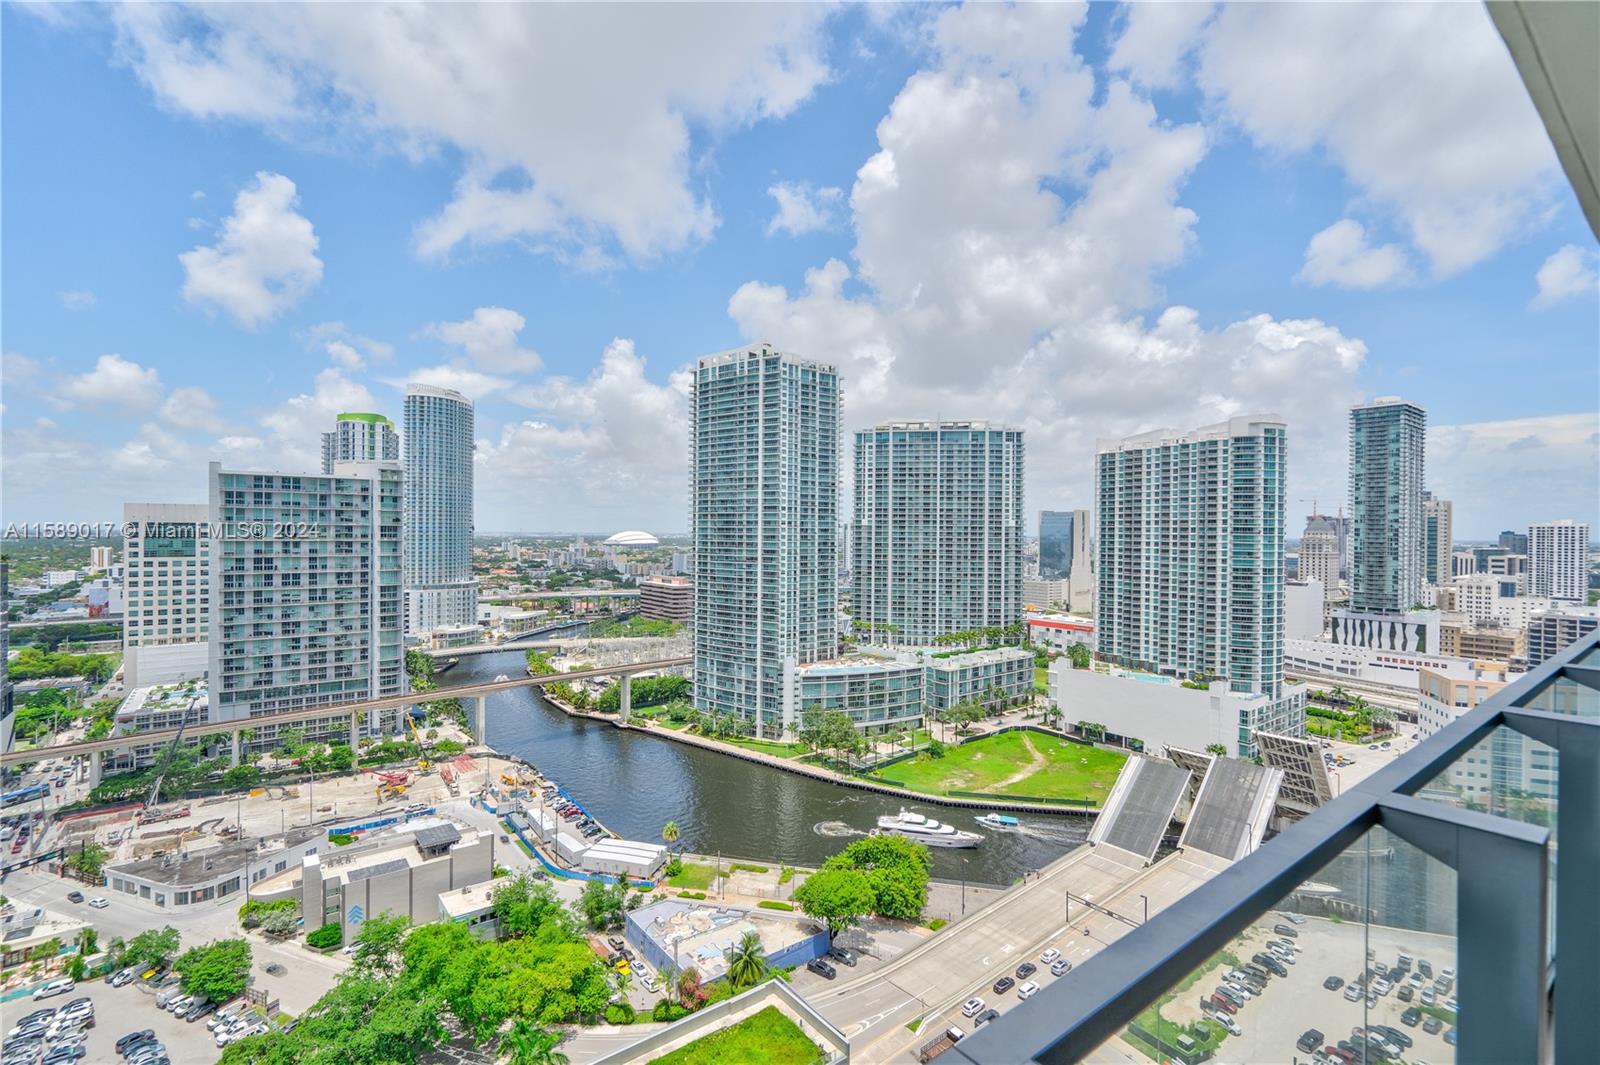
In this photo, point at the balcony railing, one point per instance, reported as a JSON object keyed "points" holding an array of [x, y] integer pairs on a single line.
{"points": [[1507, 880]]}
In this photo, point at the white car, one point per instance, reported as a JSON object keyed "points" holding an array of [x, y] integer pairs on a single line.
{"points": [[1221, 1017], [1060, 967], [1049, 956], [651, 984], [1027, 989], [54, 988], [99, 903], [970, 1008], [1238, 989]]}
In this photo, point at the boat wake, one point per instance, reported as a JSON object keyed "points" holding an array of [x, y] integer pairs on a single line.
{"points": [[835, 829], [1049, 833]]}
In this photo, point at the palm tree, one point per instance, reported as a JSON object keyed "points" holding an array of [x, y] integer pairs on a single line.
{"points": [[747, 961], [670, 833], [532, 1045], [669, 980]]}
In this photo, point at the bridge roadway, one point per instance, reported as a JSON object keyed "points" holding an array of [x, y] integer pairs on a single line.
{"points": [[934, 979], [327, 710]]}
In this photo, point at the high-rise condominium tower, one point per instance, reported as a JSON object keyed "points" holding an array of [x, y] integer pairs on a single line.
{"points": [[440, 589], [305, 593], [1437, 531], [359, 437], [1558, 560], [939, 528], [1190, 574], [1387, 442], [764, 462]]}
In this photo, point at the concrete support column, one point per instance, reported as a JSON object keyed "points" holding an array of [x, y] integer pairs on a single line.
{"points": [[233, 749], [480, 731], [627, 697], [96, 767], [355, 732]]}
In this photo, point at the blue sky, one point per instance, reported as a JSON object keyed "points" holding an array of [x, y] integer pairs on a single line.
{"points": [[1088, 223]]}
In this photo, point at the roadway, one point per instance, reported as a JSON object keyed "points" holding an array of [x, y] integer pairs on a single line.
{"points": [[312, 713], [932, 981]]}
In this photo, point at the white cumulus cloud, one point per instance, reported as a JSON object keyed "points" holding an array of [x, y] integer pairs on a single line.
{"points": [[77, 299], [116, 381], [574, 123], [1569, 272], [192, 408], [265, 260], [1340, 255], [489, 340], [803, 208]]}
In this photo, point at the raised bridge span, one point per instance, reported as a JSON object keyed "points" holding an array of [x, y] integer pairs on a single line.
{"points": [[354, 710]]}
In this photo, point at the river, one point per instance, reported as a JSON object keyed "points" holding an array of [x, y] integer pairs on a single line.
{"points": [[635, 782]]}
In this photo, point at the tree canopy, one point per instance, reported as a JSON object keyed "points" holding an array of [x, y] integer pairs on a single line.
{"points": [[217, 971]]}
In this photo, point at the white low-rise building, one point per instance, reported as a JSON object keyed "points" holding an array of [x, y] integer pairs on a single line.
{"points": [[1164, 712], [1060, 631]]}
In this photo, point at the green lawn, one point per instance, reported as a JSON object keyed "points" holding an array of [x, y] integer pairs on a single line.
{"points": [[777, 750], [1041, 680], [695, 876], [1070, 770], [764, 1038]]}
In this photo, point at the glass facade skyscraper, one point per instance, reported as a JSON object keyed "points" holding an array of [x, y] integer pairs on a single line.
{"points": [[1388, 539], [764, 490], [360, 437], [1055, 544], [440, 589], [1190, 555], [938, 529]]}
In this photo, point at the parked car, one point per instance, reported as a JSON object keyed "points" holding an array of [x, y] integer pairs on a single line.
{"points": [[54, 988], [1027, 989], [1432, 1024], [1226, 1005], [843, 954], [74, 896], [972, 1007], [1049, 956], [1002, 985], [1405, 992], [1333, 983], [820, 967], [1309, 1040], [1425, 968], [1060, 967], [984, 1018], [1285, 930], [134, 1038], [1352, 993], [1026, 969], [1394, 1035]]}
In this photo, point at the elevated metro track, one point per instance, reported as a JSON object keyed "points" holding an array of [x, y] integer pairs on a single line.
{"points": [[327, 710]]}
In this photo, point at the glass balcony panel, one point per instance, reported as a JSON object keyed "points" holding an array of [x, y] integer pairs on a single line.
{"points": [[1360, 958], [1566, 696]]}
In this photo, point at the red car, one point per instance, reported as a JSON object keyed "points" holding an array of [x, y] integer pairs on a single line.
{"points": [[1224, 1004], [1340, 1053]]}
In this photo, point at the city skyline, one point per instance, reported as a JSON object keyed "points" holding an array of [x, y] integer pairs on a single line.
{"points": [[270, 281]]}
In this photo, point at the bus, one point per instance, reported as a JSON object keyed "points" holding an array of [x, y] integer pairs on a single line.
{"points": [[22, 795]]}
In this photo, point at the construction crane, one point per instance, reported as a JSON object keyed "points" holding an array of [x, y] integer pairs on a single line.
{"points": [[416, 734]]}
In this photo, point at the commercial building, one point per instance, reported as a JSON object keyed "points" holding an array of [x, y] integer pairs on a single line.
{"points": [[360, 437], [1514, 542], [666, 599], [1322, 551], [159, 706], [938, 529], [1387, 442], [1305, 609], [306, 593], [1190, 572], [166, 553], [1558, 560], [879, 694], [764, 457], [1508, 565], [1438, 526], [1463, 563], [1060, 631], [440, 590], [682, 934], [1164, 712], [1044, 594], [1550, 632], [1505, 764], [101, 558], [1064, 545], [401, 873], [1484, 642]]}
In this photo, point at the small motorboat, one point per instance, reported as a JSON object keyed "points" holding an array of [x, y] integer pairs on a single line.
{"points": [[999, 822]]}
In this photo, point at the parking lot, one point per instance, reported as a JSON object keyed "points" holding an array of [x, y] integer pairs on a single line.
{"points": [[120, 1010], [1291, 1004]]}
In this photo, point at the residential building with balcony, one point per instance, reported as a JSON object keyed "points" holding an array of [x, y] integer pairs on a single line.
{"points": [[440, 590]]}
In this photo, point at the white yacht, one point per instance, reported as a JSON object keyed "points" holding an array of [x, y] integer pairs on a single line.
{"points": [[926, 830]]}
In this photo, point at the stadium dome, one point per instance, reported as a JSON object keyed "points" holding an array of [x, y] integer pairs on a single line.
{"points": [[633, 538]]}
